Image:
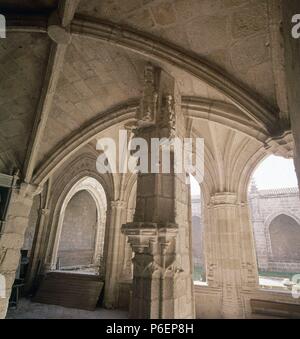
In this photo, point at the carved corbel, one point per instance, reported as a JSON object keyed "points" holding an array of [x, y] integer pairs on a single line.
{"points": [[30, 190]]}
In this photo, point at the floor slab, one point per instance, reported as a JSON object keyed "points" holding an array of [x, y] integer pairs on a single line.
{"points": [[29, 310]]}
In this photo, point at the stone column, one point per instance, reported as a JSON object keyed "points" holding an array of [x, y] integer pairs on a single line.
{"points": [[160, 232], [116, 217], [12, 237], [99, 242], [259, 229], [231, 259]]}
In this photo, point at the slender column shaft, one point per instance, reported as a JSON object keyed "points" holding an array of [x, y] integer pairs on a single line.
{"points": [[117, 216], [231, 258]]}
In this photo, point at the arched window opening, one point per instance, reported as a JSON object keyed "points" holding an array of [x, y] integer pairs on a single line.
{"points": [[285, 239], [77, 242], [197, 231], [81, 229], [275, 214]]}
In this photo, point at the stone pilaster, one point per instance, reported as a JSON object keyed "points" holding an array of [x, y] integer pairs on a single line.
{"points": [[37, 250], [160, 232], [259, 231], [231, 259], [12, 237], [116, 217]]}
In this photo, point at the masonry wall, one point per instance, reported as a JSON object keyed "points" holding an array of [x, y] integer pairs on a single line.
{"points": [[266, 207], [77, 242], [276, 223], [33, 219]]}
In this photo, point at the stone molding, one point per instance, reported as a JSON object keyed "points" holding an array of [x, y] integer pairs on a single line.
{"points": [[126, 112], [227, 198], [142, 236], [172, 54], [57, 33], [119, 204], [122, 113], [137, 41]]}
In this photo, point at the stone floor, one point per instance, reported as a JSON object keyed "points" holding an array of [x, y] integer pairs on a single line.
{"points": [[29, 310]]}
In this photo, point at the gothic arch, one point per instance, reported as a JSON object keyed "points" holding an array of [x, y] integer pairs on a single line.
{"points": [[163, 51], [267, 224], [193, 107], [149, 46], [274, 215], [77, 140], [281, 253], [94, 188], [224, 114], [78, 169], [284, 149]]}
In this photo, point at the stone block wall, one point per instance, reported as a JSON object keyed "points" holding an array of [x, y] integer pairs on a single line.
{"points": [[279, 209], [77, 243], [12, 239], [265, 206]]}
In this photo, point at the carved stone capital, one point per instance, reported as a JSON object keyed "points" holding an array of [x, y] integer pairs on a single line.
{"points": [[154, 248], [224, 198], [150, 238], [118, 204]]}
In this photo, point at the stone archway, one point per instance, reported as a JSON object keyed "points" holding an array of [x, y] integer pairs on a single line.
{"points": [[284, 233], [97, 193], [77, 242]]}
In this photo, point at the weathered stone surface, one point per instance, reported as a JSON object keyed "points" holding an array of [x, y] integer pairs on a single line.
{"points": [[22, 65], [249, 52], [223, 57], [161, 266], [266, 206], [164, 14], [12, 237], [201, 37], [249, 20]]}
